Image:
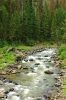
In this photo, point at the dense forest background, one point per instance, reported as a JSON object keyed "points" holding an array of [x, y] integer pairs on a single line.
{"points": [[29, 21]]}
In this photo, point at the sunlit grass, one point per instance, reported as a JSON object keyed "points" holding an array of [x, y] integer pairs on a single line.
{"points": [[3, 65], [24, 48], [52, 44], [62, 54], [64, 90], [9, 57], [3, 49]]}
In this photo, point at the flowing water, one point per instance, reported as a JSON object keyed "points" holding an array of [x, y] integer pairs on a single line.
{"points": [[33, 83]]}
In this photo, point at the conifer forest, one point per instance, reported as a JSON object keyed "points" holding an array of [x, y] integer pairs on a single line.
{"points": [[32, 20]]}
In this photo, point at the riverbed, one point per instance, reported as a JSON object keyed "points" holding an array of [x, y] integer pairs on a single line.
{"points": [[37, 78]]}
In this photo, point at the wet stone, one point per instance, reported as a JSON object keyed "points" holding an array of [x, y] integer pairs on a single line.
{"points": [[47, 66], [48, 72], [57, 84], [37, 63], [2, 93], [26, 60], [31, 59], [25, 67], [2, 72], [46, 56], [1, 82], [19, 66]]}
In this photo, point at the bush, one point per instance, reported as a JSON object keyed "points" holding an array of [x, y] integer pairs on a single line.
{"points": [[61, 49], [3, 43], [63, 55], [29, 42]]}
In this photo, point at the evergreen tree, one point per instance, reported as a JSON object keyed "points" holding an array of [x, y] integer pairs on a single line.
{"points": [[64, 31], [46, 23], [44, 20], [29, 22], [14, 26], [57, 24], [3, 22]]}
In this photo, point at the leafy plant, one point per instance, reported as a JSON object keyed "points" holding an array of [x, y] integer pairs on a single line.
{"points": [[61, 49], [30, 42]]}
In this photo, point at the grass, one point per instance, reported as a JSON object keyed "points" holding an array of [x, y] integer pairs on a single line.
{"points": [[51, 44], [62, 54], [64, 90], [9, 57], [23, 47]]}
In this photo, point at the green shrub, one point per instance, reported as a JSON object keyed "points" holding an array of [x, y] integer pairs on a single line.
{"points": [[3, 43], [61, 49], [30, 42], [9, 57], [63, 55]]}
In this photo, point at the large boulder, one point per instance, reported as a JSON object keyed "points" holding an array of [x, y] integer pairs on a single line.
{"points": [[19, 66], [2, 93], [11, 49], [14, 71], [48, 71], [2, 72]]}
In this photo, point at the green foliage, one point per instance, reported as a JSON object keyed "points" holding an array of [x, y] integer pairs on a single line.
{"points": [[63, 28], [49, 44], [57, 20], [30, 42], [62, 48], [3, 43], [64, 90], [28, 23], [6, 58], [3, 49], [63, 55], [29, 26], [23, 47], [9, 57], [3, 22], [2, 66]]}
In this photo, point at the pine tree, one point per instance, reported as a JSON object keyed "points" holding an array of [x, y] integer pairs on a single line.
{"points": [[29, 22], [44, 20], [56, 24], [3, 22], [14, 26], [64, 31]]}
